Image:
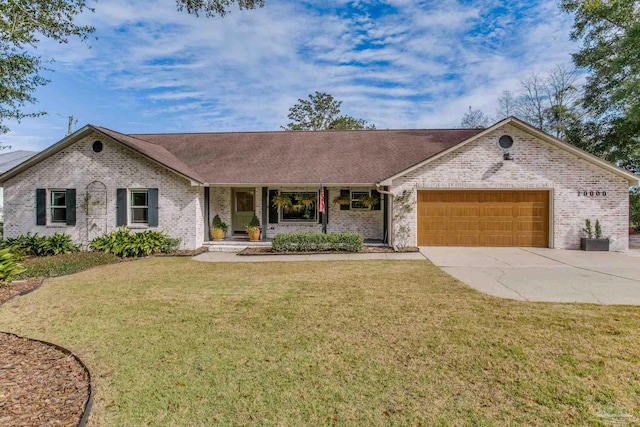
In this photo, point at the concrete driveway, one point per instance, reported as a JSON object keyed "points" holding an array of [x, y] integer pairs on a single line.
{"points": [[533, 274]]}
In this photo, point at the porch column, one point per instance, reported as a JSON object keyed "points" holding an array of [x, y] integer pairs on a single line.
{"points": [[385, 218], [207, 214], [265, 212], [389, 215]]}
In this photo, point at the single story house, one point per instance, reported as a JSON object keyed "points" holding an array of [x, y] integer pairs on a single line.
{"points": [[507, 185], [8, 161]]}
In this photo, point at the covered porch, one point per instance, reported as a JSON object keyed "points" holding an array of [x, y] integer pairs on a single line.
{"points": [[360, 209]]}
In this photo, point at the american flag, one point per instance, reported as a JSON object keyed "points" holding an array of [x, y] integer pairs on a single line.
{"points": [[322, 207]]}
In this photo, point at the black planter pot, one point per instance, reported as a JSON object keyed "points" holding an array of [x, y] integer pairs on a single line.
{"points": [[594, 244]]}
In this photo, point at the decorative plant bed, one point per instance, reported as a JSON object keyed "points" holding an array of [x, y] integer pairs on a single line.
{"points": [[593, 241], [18, 288], [41, 384], [365, 250]]}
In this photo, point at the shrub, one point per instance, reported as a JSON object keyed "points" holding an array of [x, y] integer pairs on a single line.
{"points": [[35, 245], [9, 267], [255, 222], [124, 243], [312, 242], [65, 264], [219, 224], [634, 208], [61, 244]]}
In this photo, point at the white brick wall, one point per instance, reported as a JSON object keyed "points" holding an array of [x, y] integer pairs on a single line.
{"points": [[369, 223], [536, 164], [180, 205]]}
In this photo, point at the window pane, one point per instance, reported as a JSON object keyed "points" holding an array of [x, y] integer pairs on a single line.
{"points": [[304, 207], [139, 215], [244, 202], [138, 198], [58, 198], [355, 199], [58, 215]]}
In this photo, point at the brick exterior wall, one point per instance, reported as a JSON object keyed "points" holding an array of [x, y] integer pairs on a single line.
{"points": [[369, 223], [535, 165], [180, 211]]}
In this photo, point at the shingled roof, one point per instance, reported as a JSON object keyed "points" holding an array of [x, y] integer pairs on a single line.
{"points": [[322, 157]]}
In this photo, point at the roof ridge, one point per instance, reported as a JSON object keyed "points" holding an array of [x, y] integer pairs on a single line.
{"points": [[135, 135]]}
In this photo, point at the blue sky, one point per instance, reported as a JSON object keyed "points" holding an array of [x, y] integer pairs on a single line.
{"points": [[395, 63]]}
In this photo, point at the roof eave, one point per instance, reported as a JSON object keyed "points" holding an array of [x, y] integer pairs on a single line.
{"points": [[75, 137], [630, 177], [58, 146]]}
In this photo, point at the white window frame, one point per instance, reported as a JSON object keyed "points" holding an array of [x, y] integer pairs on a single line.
{"points": [[133, 191], [299, 221], [355, 199], [53, 207]]}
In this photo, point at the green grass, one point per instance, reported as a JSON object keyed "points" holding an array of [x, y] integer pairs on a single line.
{"points": [[174, 342], [58, 265]]}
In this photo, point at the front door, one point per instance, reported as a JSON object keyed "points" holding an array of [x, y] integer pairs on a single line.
{"points": [[243, 209]]}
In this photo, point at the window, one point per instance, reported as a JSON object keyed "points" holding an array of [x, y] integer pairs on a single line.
{"points": [[303, 208], [139, 207], [355, 199], [58, 206]]}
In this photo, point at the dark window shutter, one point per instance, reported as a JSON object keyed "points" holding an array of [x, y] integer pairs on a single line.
{"points": [[121, 212], [347, 194], [152, 195], [273, 210], [71, 206], [376, 194], [41, 206]]}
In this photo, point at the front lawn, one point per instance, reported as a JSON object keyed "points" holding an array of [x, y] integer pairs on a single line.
{"points": [[175, 342]]}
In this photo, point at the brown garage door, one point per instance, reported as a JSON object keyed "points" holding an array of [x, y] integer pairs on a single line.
{"points": [[483, 218]]}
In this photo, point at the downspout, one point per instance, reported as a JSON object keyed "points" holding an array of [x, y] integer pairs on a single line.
{"points": [[389, 214]]}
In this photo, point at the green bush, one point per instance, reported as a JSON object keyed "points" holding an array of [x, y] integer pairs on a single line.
{"points": [[125, 243], [61, 244], [218, 223], [35, 245], [313, 242], [634, 208], [57, 265], [9, 267]]}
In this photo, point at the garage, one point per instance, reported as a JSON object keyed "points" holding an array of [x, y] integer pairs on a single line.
{"points": [[483, 218]]}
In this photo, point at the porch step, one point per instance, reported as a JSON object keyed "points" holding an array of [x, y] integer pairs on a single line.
{"points": [[235, 245]]}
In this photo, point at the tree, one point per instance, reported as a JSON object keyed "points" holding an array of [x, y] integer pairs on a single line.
{"points": [[532, 101], [550, 102], [562, 95], [610, 32], [22, 24], [474, 119], [508, 106], [215, 7], [320, 112]]}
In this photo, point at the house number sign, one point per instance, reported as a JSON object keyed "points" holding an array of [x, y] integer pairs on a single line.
{"points": [[592, 193]]}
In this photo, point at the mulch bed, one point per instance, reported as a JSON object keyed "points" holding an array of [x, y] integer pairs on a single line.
{"points": [[40, 385], [20, 287], [186, 252], [365, 250]]}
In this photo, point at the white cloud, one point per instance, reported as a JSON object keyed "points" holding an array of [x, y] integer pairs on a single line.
{"points": [[420, 65]]}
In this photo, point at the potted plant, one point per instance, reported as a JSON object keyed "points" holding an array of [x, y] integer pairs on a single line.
{"points": [[218, 228], [281, 200], [306, 199], [368, 201], [593, 242], [342, 200], [253, 228]]}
